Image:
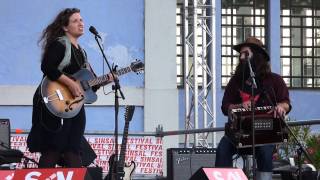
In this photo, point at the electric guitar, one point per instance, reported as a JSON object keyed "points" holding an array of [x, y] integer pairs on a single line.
{"points": [[124, 170], [59, 100]]}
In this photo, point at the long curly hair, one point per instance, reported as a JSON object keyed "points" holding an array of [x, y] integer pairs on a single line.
{"points": [[55, 29]]}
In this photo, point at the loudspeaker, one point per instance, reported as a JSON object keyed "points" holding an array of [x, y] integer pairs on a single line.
{"points": [[218, 173], [199, 175], [5, 134], [182, 163]]}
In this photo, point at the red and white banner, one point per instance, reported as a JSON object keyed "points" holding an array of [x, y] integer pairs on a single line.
{"points": [[6, 174], [146, 152], [50, 174]]}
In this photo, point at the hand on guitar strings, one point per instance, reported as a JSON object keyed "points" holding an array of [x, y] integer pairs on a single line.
{"points": [[75, 89]]}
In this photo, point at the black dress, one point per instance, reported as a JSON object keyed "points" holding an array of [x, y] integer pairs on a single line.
{"points": [[49, 132]]}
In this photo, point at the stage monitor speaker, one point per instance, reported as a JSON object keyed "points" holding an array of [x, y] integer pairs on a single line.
{"points": [[182, 163], [5, 134], [205, 173], [199, 175], [54, 173]]}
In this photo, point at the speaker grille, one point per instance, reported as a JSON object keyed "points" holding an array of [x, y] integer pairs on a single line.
{"points": [[4, 134], [182, 163]]}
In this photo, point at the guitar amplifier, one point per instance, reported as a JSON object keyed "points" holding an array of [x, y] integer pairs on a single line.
{"points": [[5, 134], [182, 163]]}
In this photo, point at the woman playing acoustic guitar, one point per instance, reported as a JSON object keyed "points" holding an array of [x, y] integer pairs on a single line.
{"points": [[55, 137]]}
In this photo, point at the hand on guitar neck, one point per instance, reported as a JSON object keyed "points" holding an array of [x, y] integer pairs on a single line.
{"points": [[110, 79]]}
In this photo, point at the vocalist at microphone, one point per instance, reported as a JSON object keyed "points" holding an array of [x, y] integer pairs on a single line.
{"points": [[94, 31]]}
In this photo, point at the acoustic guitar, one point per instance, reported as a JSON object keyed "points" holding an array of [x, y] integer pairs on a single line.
{"points": [[59, 100]]}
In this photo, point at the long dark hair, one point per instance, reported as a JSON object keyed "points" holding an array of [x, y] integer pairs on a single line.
{"points": [[260, 65], [55, 29]]}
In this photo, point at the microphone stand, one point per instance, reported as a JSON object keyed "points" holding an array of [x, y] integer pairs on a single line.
{"points": [[253, 86], [116, 88]]}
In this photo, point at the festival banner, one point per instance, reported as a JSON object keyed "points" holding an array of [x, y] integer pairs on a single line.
{"points": [[146, 152]]}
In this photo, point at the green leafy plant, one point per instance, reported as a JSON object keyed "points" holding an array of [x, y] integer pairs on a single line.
{"points": [[313, 148], [310, 142]]}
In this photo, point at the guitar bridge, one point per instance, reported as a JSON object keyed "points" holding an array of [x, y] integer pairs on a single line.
{"points": [[48, 98], [58, 92]]}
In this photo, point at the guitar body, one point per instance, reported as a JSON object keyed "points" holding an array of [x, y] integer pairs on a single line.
{"points": [[59, 100], [123, 170], [128, 169]]}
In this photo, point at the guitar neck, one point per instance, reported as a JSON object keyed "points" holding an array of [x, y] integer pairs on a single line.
{"points": [[103, 80], [124, 145]]}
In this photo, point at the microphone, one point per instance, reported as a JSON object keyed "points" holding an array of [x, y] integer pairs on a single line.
{"points": [[94, 31]]}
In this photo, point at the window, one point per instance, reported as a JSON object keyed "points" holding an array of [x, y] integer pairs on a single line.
{"points": [[240, 19], [179, 46], [300, 43]]}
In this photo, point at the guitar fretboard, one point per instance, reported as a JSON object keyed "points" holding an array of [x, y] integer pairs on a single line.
{"points": [[103, 80], [124, 145], [128, 117]]}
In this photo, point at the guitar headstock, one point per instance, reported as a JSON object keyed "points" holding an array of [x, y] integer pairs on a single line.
{"points": [[137, 66], [129, 113]]}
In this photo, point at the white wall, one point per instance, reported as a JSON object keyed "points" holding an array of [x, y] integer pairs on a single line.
{"points": [[161, 94]]}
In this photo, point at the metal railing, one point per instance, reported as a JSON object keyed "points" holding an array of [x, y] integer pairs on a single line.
{"points": [[160, 133]]}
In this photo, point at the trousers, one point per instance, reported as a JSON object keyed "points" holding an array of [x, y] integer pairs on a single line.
{"points": [[226, 149]]}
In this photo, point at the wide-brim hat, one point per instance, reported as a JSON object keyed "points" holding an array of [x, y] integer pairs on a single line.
{"points": [[254, 43]]}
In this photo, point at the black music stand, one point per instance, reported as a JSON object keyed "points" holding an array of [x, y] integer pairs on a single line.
{"points": [[10, 156]]}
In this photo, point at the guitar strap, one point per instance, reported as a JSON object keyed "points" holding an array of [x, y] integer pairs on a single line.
{"points": [[67, 54]]}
